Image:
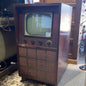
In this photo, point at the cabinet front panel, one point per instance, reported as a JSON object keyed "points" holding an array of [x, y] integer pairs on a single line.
{"points": [[51, 54], [38, 64], [41, 76], [32, 53], [23, 71], [41, 54], [32, 63], [22, 51], [41, 65], [23, 61], [50, 66], [51, 77]]}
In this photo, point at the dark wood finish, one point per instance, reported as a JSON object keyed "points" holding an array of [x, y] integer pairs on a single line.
{"points": [[75, 24], [42, 62]]}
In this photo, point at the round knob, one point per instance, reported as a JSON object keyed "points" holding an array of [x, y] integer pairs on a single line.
{"points": [[49, 43], [32, 42], [25, 41], [40, 43]]}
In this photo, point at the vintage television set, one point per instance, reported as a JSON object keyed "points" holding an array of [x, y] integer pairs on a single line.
{"points": [[42, 36]]}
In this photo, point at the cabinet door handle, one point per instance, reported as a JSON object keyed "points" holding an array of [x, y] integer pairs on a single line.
{"points": [[49, 43]]}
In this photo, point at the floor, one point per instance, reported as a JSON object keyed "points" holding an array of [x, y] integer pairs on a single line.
{"points": [[73, 76], [81, 59]]}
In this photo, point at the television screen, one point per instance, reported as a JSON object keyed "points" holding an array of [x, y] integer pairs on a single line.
{"points": [[38, 24]]}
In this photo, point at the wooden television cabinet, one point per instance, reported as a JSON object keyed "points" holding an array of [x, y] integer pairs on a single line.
{"points": [[42, 35]]}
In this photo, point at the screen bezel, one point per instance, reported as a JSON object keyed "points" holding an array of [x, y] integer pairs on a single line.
{"points": [[39, 34], [36, 35]]}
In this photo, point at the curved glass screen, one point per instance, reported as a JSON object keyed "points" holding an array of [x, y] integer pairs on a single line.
{"points": [[38, 24]]}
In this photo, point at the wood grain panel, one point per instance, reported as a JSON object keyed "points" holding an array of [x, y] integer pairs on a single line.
{"points": [[52, 56], [23, 61], [50, 78], [32, 74], [41, 76], [41, 54], [32, 53], [32, 63], [22, 51], [23, 71], [41, 64], [51, 66]]}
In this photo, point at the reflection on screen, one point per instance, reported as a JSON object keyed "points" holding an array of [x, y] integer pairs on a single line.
{"points": [[38, 24]]}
